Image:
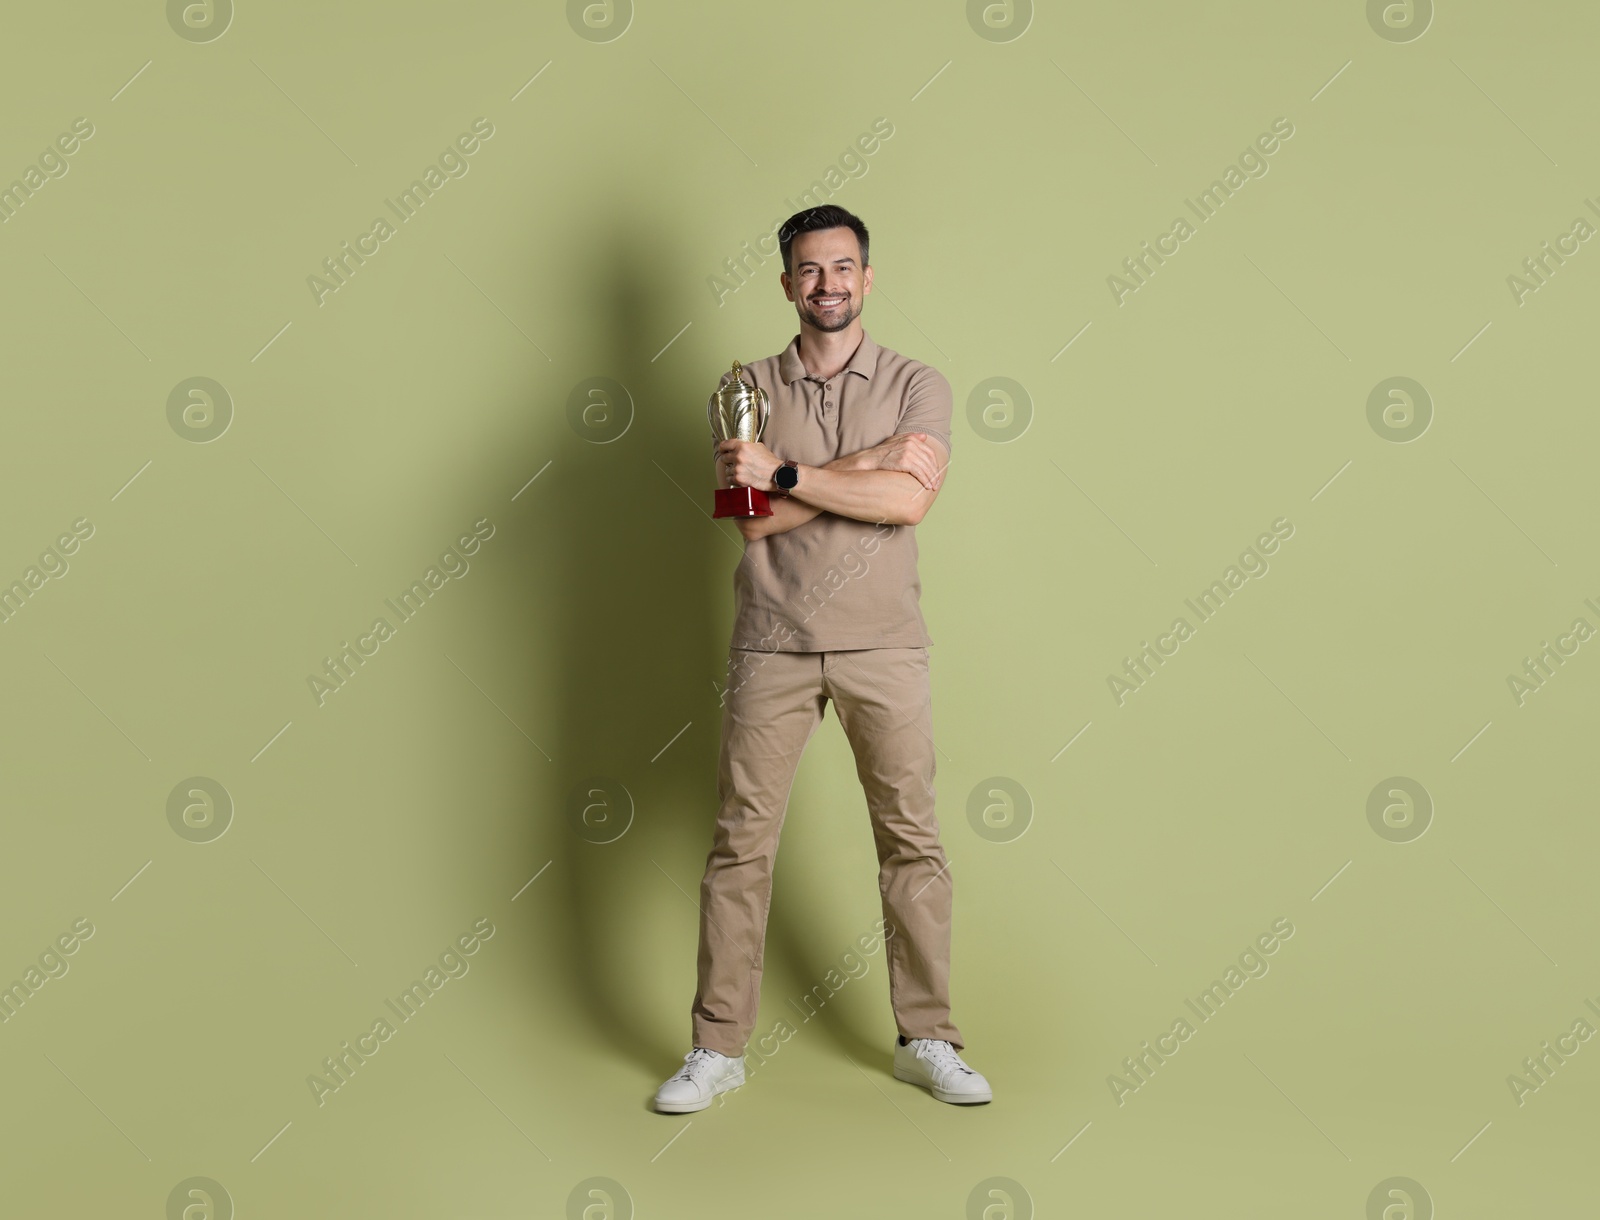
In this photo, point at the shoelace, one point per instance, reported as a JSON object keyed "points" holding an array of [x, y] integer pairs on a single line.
{"points": [[696, 1059], [943, 1055]]}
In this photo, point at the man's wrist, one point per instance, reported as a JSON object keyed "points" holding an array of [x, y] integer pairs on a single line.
{"points": [[786, 477]]}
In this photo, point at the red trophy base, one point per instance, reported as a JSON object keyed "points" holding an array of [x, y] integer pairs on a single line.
{"points": [[742, 502]]}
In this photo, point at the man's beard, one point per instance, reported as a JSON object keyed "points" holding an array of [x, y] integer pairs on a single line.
{"points": [[838, 320]]}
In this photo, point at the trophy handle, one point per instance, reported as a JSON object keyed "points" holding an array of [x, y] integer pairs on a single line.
{"points": [[763, 409]]}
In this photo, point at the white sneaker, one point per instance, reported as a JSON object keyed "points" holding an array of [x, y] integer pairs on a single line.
{"points": [[704, 1074], [935, 1066]]}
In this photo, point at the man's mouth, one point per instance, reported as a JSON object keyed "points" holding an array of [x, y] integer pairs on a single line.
{"points": [[828, 302]]}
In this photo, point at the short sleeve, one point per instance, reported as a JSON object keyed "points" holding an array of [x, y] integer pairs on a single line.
{"points": [[927, 406]]}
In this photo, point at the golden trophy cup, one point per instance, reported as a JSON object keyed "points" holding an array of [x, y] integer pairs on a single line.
{"points": [[739, 411]]}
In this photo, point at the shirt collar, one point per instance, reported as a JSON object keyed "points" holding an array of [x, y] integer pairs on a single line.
{"points": [[864, 361]]}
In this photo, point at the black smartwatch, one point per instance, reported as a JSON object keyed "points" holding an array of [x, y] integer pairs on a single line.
{"points": [[787, 476]]}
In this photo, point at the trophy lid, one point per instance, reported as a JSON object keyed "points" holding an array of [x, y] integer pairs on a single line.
{"points": [[737, 388]]}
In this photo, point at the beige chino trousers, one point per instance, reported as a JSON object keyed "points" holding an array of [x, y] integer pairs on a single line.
{"points": [[773, 704]]}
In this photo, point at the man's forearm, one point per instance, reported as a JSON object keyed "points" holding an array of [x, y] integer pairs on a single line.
{"points": [[891, 496], [790, 511]]}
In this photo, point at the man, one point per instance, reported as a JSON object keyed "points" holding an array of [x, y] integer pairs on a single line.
{"points": [[827, 608]]}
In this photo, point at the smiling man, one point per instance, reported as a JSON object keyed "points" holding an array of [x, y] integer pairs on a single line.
{"points": [[827, 608]]}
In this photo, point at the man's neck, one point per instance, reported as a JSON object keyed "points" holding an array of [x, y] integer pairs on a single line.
{"points": [[826, 352]]}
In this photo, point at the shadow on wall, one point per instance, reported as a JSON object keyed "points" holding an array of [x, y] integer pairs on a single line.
{"points": [[637, 578]]}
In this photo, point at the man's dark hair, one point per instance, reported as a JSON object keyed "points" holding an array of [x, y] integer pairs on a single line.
{"points": [[828, 216]]}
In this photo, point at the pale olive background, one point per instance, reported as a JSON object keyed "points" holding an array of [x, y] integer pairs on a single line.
{"points": [[369, 832]]}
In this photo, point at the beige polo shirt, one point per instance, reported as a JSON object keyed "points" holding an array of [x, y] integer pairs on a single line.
{"points": [[835, 582]]}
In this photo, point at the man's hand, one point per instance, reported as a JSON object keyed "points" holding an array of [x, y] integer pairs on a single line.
{"points": [[747, 464], [916, 453]]}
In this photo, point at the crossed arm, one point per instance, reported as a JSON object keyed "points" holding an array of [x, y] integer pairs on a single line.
{"points": [[895, 481]]}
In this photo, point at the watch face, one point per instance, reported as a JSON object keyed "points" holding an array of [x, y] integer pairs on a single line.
{"points": [[786, 477]]}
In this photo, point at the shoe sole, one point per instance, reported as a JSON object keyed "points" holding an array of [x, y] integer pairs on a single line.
{"points": [[682, 1107], [954, 1099], [691, 1107]]}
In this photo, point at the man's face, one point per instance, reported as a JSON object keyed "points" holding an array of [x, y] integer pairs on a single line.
{"points": [[828, 285]]}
